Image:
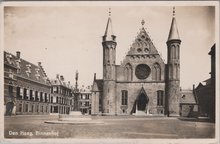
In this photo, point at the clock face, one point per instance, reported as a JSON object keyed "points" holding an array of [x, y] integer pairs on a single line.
{"points": [[142, 71]]}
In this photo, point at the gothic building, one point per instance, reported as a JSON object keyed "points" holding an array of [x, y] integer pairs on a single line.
{"points": [[143, 84]]}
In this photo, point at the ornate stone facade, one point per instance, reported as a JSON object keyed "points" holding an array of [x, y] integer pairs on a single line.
{"points": [[142, 84]]}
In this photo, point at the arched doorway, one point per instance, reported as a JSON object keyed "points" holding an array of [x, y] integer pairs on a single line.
{"points": [[140, 106], [9, 108], [142, 102]]}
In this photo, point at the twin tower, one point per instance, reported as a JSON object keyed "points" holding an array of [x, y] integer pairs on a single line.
{"points": [[143, 84]]}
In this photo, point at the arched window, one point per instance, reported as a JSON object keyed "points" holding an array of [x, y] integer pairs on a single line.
{"points": [[170, 71], [10, 90], [124, 97], [156, 75], [128, 72], [160, 99], [174, 71]]}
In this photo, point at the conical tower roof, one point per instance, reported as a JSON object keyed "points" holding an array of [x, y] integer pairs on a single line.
{"points": [[109, 30], [173, 34], [108, 35]]}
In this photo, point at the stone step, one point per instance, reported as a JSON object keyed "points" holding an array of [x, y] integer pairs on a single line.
{"points": [[140, 113]]}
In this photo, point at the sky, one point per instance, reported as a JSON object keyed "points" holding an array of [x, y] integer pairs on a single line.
{"points": [[68, 38]]}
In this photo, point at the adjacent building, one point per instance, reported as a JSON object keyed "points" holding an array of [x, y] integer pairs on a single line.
{"points": [[62, 96], [188, 103], [28, 90], [205, 91], [85, 100], [10, 83]]}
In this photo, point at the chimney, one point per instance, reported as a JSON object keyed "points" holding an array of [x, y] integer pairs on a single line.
{"points": [[58, 76], [39, 63], [193, 86], [18, 54], [61, 78], [94, 76]]}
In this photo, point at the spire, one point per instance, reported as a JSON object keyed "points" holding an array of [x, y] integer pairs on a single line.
{"points": [[108, 35], [174, 34], [142, 23], [76, 78]]}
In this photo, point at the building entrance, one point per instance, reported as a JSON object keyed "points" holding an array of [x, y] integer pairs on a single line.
{"points": [[142, 102]]}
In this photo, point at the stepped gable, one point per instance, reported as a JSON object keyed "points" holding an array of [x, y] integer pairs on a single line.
{"points": [[142, 45], [59, 81], [9, 59]]}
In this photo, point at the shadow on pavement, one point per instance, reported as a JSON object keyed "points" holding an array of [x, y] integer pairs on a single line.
{"points": [[202, 119]]}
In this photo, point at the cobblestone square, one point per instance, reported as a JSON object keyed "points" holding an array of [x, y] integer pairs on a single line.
{"points": [[124, 127]]}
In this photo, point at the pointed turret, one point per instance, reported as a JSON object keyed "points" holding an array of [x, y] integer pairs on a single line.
{"points": [[108, 35], [109, 75], [173, 69], [173, 34]]}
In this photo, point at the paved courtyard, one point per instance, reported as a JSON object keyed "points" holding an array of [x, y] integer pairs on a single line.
{"points": [[111, 127]]}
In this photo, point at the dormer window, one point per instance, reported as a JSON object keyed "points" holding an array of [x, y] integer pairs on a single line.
{"points": [[28, 71], [18, 70], [10, 74], [18, 61], [45, 79], [37, 73], [9, 58]]}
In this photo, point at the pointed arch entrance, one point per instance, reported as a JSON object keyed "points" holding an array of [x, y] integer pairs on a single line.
{"points": [[141, 103]]}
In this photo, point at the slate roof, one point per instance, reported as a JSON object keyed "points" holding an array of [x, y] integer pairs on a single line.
{"points": [[28, 70], [187, 97], [109, 30], [6, 59], [85, 89], [173, 34], [97, 85], [59, 82]]}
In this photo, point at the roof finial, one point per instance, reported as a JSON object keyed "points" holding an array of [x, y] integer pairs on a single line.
{"points": [[142, 23], [173, 11], [109, 12]]}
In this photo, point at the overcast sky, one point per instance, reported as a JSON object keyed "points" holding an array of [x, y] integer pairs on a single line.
{"points": [[68, 38]]}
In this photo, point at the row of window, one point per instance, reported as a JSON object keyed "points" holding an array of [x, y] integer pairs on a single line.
{"points": [[60, 109], [174, 52], [61, 100], [160, 97], [156, 72], [26, 94], [58, 90], [41, 108], [84, 103], [32, 108], [84, 96]]}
